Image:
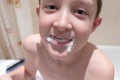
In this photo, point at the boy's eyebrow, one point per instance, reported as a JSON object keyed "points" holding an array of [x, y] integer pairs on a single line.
{"points": [[43, 2], [49, 0], [85, 3]]}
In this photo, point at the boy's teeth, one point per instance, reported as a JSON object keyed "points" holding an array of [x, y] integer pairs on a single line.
{"points": [[59, 39], [52, 38]]}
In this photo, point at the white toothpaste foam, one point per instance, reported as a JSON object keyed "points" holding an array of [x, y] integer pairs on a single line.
{"points": [[69, 47], [49, 39]]}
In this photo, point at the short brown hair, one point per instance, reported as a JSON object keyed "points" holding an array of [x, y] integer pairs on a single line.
{"points": [[99, 7]]}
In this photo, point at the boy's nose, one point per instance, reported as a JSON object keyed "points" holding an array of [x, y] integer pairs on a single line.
{"points": [[63, 22], [62, 27]]}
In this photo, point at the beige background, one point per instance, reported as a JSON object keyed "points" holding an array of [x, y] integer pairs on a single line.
{"points": [[109, 31]]}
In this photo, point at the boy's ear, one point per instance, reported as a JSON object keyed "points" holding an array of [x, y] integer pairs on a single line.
{"points": [[96, 23], [37, 10]]}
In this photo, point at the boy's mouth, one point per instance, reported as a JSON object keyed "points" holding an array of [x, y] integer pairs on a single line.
{"points": [[61, 41]]}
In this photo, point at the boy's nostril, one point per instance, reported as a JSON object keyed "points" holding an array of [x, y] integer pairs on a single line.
{"points": [[62, 27]]}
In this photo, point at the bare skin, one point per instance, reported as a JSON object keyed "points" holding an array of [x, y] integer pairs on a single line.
{"points": [[91, 64], [84, 66], [65, 21]]}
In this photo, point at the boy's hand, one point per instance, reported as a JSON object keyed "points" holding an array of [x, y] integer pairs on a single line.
{"points": [[6, 77]]}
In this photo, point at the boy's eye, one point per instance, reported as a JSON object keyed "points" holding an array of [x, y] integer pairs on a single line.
{"points": [[80, 12], [52, 7]]}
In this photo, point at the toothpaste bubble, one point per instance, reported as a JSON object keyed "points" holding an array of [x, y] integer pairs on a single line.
{"points": [[69, 47], [49, 39]]}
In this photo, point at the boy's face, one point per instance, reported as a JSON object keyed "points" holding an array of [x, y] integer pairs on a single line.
{"points": [[64, 21]]}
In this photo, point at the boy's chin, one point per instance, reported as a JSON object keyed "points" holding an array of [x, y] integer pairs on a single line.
{"points": [[56, 53]]}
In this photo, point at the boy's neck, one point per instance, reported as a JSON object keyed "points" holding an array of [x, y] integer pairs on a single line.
{"points": [[48, 65], [66, 62]]}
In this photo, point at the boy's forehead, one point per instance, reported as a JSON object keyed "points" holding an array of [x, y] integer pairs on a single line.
{"points": [[76, 1]]}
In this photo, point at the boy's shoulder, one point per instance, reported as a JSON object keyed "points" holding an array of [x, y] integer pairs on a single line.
{"points": [[31, 41], [34, 38], [6, 77], [101, 66]]}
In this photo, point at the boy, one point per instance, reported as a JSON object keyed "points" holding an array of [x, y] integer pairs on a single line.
{"points": [[62, 50]]}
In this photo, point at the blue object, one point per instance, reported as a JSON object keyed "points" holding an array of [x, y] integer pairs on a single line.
{"points": [[16, 65]]}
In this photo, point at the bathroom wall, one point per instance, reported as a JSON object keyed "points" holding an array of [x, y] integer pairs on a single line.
{"points": [[108, 32]]}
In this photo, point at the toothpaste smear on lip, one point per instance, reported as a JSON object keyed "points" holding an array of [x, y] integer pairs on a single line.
{"points": [[49, 39], [69, 46]]}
